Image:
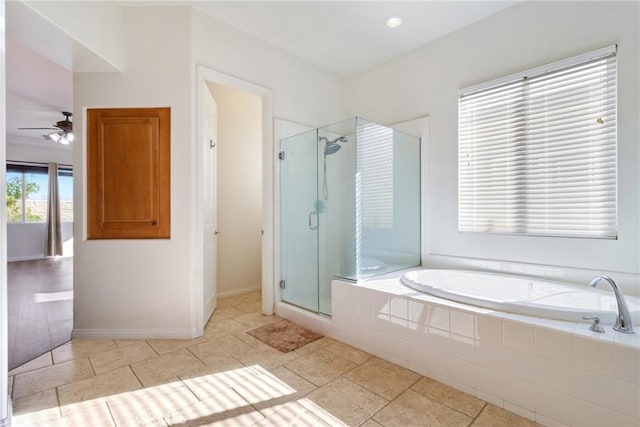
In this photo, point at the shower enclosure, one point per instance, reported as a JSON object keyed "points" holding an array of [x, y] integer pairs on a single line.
{"points": [[350, 208]]}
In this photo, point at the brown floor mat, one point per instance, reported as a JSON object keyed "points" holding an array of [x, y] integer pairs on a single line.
{"points": [[284, 335]]}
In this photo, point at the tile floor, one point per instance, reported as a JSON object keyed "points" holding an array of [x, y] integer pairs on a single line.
{"points": [[229, 378]]}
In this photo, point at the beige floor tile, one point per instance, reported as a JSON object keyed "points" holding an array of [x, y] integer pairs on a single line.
{"points": [[222, 313], [96, 416], [414, 409], [226, 408], [315, 345], [127, 355], [254, 343], [36, 409], [384, 378], [221, 328], [249, 307], [162, 368], [268, 391], [149, 405], [320, 367], [348, 352], [345, 401], [449, 396], [77, 349], [84, 394], [51, 376], [239, 299], [221, 347], [216, 376], [371, 423], [167, 346], [267, 358], [291, 414], [124, 343], [255, 320], [37, 363], [492, 416]]}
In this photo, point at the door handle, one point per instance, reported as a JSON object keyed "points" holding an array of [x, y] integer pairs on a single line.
{"points": [[311, 226]]}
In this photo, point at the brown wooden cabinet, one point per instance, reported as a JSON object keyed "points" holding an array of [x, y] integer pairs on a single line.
{"points": [[128, 173]]}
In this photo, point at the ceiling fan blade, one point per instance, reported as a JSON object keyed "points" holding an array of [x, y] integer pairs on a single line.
{"points": [[36, 128]]}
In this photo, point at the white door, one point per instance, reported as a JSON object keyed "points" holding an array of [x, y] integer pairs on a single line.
{"points": [[209, 199]]}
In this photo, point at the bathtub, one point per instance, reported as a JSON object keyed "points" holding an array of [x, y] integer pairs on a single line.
{"points": [[520, 295]]}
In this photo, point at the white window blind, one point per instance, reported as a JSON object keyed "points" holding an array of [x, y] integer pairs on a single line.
{"points": [[375, 167], [537, 154]]}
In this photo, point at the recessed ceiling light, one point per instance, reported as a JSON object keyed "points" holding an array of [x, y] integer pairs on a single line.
{"points": [[393, 21]]}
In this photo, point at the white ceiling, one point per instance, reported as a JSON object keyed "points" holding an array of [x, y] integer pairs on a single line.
{"points": [[348, 37], [37, 91], [342, 37]]}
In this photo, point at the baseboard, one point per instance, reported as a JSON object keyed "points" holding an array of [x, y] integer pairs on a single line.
{"points": [[25, 258], [134, 334], [240, 291]]}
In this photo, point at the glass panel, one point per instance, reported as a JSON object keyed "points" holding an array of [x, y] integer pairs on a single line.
{"points": [[36, 188], [14, 196], [336, 202], [387, 200], [299, 220]]}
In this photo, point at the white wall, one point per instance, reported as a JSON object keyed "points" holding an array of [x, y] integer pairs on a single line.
{"points": [[140, 287], [302, 92], [239, 189], [526, 35], [25, 241], [148, 287]]}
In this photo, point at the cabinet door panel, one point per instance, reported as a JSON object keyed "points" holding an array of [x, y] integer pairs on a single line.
{"points": [[128, 176]]}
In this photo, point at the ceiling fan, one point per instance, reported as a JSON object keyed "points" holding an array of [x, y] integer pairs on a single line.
{"points": [[63, 130]]}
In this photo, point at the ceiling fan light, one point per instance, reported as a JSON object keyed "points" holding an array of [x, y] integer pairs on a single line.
{"points": [[70, 136], [55, 136], [64, 141]]}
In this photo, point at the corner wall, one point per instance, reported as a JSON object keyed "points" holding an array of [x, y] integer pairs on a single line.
{"points": [[139, 288], [427, 80]]}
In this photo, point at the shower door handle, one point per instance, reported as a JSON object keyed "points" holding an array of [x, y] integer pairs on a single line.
{"points": [[311, 226]]}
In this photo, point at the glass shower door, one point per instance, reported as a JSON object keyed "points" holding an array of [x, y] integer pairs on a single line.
{"points": [[299, 220]]}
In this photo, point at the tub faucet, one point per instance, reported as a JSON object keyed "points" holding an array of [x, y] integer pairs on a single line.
{"points": [[623, 320]]}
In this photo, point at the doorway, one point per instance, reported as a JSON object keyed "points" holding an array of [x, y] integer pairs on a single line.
{"points": [[232, 173]]}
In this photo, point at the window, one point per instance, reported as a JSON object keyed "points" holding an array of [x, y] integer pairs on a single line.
{"points": [[27, 188], [537, 151], [26, 193], [375, 164]]}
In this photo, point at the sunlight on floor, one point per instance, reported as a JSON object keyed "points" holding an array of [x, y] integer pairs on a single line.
{"points": [[231, 396]]}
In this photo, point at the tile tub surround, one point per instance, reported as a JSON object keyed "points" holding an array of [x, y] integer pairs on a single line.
{"points": [[551, 372]]}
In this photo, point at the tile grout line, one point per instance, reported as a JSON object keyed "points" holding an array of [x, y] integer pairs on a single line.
{"points": [[113, 418], [479, 413], [58, 401]]}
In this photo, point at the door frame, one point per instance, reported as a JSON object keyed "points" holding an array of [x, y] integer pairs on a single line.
{"points": [[204, 74]]}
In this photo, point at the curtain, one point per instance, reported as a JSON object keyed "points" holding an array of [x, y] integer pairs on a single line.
{"points": [[53, 236]]}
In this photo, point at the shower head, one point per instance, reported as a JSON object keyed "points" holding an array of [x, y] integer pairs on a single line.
{"points": [[332, 147]]}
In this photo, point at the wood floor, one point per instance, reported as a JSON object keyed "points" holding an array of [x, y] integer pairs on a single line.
{"points": [[40, 295]]}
